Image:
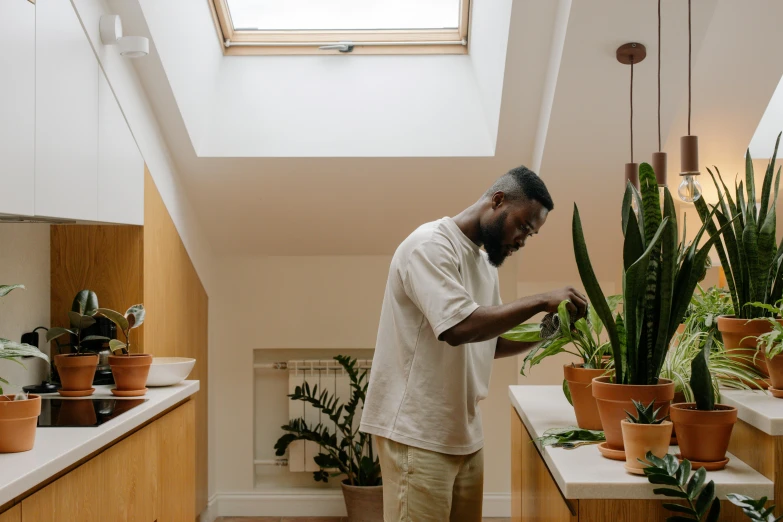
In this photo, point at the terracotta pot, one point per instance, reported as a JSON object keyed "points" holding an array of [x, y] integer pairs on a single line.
{"points": [[18, 420], [363, 503], [735, 331], [579, 382], [678, 398], [641, 438], [775, 366], [615, 399], [130, 372], [703, 435], [76, 413], [76, 371]]}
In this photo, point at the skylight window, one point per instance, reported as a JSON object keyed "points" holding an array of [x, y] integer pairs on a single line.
{"points": [[347, 26]]}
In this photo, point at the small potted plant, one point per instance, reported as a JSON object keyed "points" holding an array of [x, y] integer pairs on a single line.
{"points": [[659, 278], [77, 369], [558, 333], [647, 432], [351, 456], [749, 255], [772, 344], [704, 427], [130, 370], [18, 413]]}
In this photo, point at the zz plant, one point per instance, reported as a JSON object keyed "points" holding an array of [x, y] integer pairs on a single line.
{"points": [[346, 450], [660, 275], [701, 502], [749, 254]]}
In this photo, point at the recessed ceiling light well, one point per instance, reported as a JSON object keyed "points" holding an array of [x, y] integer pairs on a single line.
{"points": [[129, 46]]}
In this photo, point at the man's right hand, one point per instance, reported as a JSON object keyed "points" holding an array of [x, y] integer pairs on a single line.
{"points": [[578, 302]]}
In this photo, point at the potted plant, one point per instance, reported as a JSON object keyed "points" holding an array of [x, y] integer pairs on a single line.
{"points": [[130, 370], [772, 344], [749, 255], [647, 432], [658, 283], [558, 332], [704, 427], [345, 452], [77, 369], [18, 413], [700, 502]]}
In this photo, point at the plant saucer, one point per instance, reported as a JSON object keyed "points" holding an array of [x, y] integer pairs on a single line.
{"points": [[775, 392], [77, 393], [611, 453], [708, 466], [128, 393], [635, 471]]}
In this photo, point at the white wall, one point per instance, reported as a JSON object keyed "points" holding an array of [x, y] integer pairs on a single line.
{"points": [[24, 259]]}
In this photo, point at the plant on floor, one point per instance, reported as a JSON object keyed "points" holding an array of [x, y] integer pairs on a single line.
{"points": [[754, 509], [558, 331], [658, 282], [12, 350], [346, 450], [645, 414], [133, 318], [81, 316], [772, 341], [749, 255], [702, 504]]}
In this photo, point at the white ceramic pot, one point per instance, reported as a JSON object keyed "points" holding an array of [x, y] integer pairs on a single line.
{"points": [[166, 371]]}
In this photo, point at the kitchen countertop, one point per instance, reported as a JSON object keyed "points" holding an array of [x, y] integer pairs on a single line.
{"points": [[584, 473], [758, 408], [58, 448]]}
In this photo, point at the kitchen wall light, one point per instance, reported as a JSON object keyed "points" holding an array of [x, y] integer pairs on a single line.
{"points": [[130, 46]]}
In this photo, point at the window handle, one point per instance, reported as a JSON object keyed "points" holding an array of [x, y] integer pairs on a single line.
{"points": [[343, 47]]}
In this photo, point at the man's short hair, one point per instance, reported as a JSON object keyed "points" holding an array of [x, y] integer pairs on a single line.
{"points": [[522, 183]]}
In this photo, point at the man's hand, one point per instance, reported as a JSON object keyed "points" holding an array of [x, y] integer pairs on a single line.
{"points": [[578, 302]]}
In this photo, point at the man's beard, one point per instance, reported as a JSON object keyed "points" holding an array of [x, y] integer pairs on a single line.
{"points": [[492, 239]]}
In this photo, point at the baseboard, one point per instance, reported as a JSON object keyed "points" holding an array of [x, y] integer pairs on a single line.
{"points": [[311, 504], [209, 514]]}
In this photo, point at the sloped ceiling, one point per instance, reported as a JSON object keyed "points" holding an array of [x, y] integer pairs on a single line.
{"points": [[565, 113]]}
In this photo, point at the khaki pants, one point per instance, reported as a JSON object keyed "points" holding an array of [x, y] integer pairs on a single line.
{"points": [[425, 486]]}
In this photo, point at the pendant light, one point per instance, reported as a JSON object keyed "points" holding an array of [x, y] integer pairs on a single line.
{"points": [[690, 189], [630, 54], [659, 158]]}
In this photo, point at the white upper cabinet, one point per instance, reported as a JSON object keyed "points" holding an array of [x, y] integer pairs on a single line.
{"points": [[66, 115], [120, 165], [17, 107]]}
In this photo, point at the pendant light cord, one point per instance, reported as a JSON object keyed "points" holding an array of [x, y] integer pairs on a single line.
{"points": [[659, 75], [689, 67], [631, 109]]}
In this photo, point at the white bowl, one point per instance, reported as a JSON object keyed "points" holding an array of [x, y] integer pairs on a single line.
{"points": [[166, 371]]}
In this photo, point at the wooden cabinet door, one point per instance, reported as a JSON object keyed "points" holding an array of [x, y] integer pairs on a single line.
{"points": [[66, 115], [129, 484], [120, 165], [75, 497], [176, 446], [12, 515], [17, 107]]}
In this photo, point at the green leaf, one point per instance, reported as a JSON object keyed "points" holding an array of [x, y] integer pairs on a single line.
{"points": [[701, 378], [633, 246], [525, 332], [565, 319], [135, 315], [115, 345], [95, 338], [696, 482], [675, 493], [666, 480], [7, 289], [685, 472], [714, 514], [85, 303], [750, 182], [56, 332], [115, 317], [676, 508], [80, 321], [567, 392], [705, 498]]}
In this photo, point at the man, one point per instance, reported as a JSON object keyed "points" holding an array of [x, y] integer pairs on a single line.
{"points": [[438, 335]]}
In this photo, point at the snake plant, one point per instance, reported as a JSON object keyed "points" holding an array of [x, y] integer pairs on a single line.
{"points": [[751, 259], [658, 282]]}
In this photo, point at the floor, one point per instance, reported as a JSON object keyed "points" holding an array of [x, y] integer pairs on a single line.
{"points": [[312, 519]]}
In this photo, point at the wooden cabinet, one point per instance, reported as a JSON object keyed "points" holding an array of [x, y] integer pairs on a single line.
{"points": [[17, 107], [146, 477], [66, 115], [12, 515], [120, 165]]}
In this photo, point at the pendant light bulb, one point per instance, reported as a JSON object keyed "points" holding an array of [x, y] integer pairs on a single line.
{"points": [[690, 189]]}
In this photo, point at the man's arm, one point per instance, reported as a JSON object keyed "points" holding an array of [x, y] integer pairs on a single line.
{"points": [[508, 348], [489, 322]]}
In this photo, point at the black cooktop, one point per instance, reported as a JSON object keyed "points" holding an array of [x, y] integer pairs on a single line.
{"points": [[57, 412]]}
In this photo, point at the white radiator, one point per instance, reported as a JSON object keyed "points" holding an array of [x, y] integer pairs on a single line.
{"points": [[327, 375]]}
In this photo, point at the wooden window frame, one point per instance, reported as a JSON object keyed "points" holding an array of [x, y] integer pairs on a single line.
{"points": [[414, 41]]}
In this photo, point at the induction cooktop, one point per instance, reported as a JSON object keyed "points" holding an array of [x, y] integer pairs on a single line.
{"points": [[57, 412]]}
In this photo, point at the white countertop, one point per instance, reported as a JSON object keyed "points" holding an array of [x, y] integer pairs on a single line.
{"points": [[758, 408], [58, 448], [584, 473]]}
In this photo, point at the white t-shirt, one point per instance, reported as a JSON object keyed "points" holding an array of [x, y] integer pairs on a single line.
{"points": [[424, 392]]}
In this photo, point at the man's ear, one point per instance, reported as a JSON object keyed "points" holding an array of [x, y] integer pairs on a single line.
{"points": [[498, 198]]}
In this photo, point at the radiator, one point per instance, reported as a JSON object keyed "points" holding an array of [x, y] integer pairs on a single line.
{"points": [[327, 375]]}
